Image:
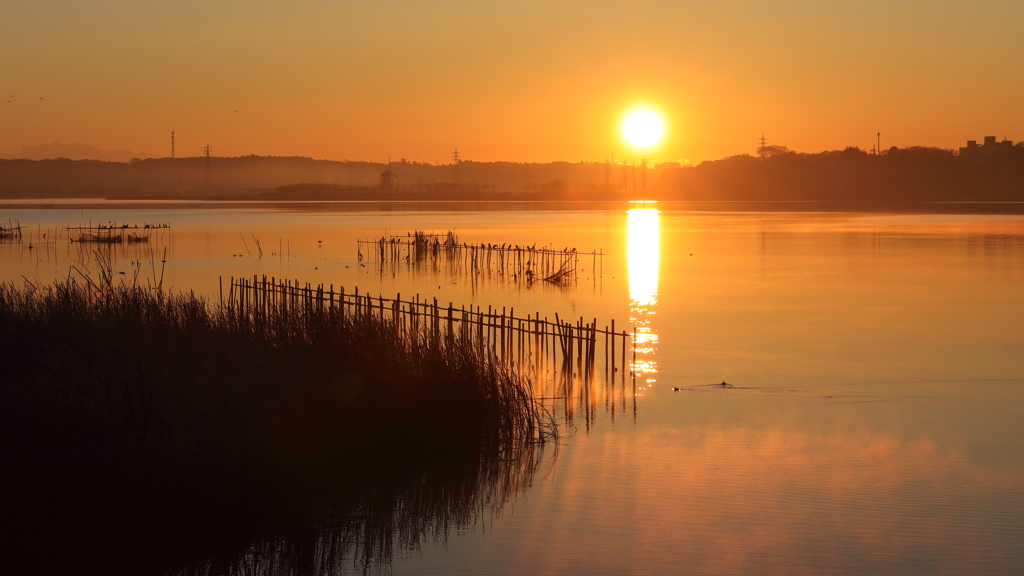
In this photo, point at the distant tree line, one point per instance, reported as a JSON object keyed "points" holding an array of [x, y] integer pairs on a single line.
{"points": [[916, 173], [910, 174]]}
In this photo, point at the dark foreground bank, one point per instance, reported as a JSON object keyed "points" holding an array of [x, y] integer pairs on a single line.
{"points": [[140, 431]]}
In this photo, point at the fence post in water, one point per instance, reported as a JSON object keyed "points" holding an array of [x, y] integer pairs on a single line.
{"points": [[396, 321], [502, 345], [490, 319], [633, 371], [558, 322], [613, 335], [606, 353], [451, 337], [623, 369], [579, 346]]}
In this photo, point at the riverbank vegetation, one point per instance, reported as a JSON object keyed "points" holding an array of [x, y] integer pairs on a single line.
{"points": [[140, 429]]}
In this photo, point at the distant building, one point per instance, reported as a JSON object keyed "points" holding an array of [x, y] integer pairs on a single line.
{"points": [[387, 180], [987, 151]]}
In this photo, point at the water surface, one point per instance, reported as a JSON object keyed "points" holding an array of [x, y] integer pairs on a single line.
{"points": [[872, 421]]}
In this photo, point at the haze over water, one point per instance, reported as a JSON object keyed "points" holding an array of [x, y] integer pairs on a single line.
{"points": [[872, 419]]}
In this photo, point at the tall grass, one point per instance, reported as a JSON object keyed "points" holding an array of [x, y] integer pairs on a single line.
{"points": [[139, 429]]}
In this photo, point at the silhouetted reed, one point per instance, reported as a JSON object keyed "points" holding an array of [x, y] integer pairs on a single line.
{"points": [[140, 430]]}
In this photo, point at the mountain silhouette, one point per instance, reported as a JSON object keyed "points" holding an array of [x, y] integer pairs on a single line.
{"points": [[76, 151]]}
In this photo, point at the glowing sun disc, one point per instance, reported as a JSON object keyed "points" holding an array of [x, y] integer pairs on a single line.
{"points": [[642, 128]]}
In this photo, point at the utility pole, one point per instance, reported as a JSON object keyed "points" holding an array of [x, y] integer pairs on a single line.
{"points": [[456, 180], [206, 179], [879, 144], [172, 144]]}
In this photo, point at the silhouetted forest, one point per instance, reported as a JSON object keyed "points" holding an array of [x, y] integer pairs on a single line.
{"points": [[991, 172], [898, 174]]}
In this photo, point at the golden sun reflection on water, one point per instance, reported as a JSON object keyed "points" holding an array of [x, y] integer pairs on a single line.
{"points": [[644, 258]]}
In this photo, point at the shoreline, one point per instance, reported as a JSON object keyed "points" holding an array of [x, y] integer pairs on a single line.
{"points": [[388, 205]]}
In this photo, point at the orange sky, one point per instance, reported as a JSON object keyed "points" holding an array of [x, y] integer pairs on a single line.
{"points": [[523, 81]]}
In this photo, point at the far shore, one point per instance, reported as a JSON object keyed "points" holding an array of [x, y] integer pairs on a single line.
{"points": [[368, 203]]}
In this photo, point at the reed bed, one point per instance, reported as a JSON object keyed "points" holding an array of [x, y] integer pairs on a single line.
{"points": [[139, 430], [561, 358], [518, 263]]}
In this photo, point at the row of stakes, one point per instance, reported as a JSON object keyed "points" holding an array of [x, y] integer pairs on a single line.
{"points": [[520, 262], [560, 356]]}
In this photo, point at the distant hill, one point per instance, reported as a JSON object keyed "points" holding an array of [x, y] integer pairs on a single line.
{"points": [[74, 151]]}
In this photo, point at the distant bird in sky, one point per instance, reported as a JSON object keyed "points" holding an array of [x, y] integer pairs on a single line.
{"points": [[236, 110], [40, 98]]}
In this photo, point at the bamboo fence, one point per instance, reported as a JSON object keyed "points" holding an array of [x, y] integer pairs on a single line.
{"points": [[113, 233], [561, 357], [517, 262]]}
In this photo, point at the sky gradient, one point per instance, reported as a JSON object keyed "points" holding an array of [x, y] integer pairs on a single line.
{"points": [[522, 81]]}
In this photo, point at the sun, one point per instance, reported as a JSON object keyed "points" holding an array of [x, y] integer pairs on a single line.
{"points": [[643, 128]]}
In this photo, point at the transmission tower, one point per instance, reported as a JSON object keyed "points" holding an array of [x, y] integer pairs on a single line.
{"points": [[172, 143], [456, 180], [762, 150], [206, 179]]}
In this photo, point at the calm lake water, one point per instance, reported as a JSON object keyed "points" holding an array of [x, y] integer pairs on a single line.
{"points": [[873, 422]]}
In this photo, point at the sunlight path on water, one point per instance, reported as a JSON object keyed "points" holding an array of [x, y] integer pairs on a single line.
{"points": [[644, 261]]}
